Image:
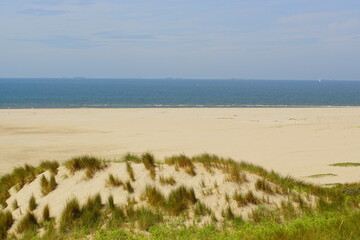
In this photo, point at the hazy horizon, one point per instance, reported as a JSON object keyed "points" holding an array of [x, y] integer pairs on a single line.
{"points": [[272, 39]]}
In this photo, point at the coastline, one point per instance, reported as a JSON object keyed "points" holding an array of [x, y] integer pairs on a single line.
{"points": [[297, 141]]}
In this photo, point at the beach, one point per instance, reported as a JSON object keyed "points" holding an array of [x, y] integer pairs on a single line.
{"points": [[299, 142]]}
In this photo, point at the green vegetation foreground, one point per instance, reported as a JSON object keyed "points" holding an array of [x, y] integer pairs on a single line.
{"points": [[333, 213]]}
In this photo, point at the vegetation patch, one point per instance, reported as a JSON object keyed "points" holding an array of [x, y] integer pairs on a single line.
{"points": [[300, 210], [167, 180], [113, 181], [130, 171], [47, 186], [182, 161], [345, 164], [263, 185], [88, 163], [322, 175]]}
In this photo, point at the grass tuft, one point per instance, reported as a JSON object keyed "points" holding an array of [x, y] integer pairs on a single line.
{"points": [[89, 163], [144, 218], [153, 196], [180, 199], [27, 223], [46, 214], [32, 203], [6, 222], [91, 212], [52, 166], [248, 198], [182, 161], [129, 157], [113, 181], [130, 171], [110, 202], [201, 209], [234, 173], [47, 186], [263, 185], [167, 180], [70, 214], [128, 187], [148, 161]]}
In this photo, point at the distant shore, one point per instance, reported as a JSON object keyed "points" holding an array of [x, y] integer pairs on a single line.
{"points": [[302, 142]]}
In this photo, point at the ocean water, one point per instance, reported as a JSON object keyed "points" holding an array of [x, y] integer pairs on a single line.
{"points": [[136, 93]]}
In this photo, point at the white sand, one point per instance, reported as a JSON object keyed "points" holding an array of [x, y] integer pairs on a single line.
{"points": [[295, 141]]}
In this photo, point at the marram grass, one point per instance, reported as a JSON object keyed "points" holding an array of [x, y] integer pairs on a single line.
{"points": [[335, 215]]}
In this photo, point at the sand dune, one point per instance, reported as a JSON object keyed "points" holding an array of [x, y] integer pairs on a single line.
{"points": [[295, 141]]}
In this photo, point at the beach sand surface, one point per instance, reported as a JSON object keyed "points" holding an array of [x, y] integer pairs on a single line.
{"points": [[292, 141]]}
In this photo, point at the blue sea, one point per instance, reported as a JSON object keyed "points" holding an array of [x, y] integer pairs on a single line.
{"points": [[155, 93]]}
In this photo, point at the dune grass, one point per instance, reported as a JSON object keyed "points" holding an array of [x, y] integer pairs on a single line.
{"points": [[6, 221], [52, 166], [264, 186], [17, 178], [71, 213], [245, 199], [47, 186], [148, 160], [182, 161], [179, 200], [113, 181], [201, 209], [332, 217], [88, 163], [128, 187], [130, 171], [28, 223], [46, 214], [167, 180], [32, 203]]}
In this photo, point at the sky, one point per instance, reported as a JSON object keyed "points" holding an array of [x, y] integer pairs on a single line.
{"points": [[247, 39]]}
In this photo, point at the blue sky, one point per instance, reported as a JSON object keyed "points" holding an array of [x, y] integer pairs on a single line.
{"points": [[256, 39]]}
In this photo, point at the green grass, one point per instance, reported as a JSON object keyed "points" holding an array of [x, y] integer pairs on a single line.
{"points": [[6, 221], [113, 181], [201, 209], [128, 187], [47, 186], [130, 171], [179, 200], [264, 186], [17, 178], [70, 214], [88, 163], [334, 216], [46, 214], [148, 160], [52, 166], [167, 180], [32, 203], [182, 161], [144, 218], [28, 223], [245, 199], [345, 164], [322, 175]]}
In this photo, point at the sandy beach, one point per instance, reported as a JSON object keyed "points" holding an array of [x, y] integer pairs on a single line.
{"points": [[295, 141]]}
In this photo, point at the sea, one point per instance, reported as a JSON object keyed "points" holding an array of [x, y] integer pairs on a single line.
{"points": [[175, 93]]}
